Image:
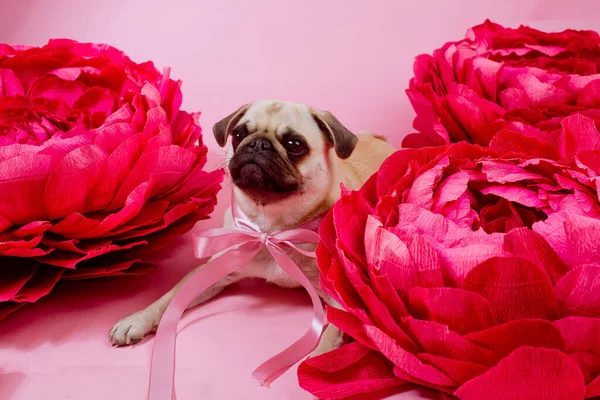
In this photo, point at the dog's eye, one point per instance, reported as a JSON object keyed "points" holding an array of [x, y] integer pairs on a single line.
{"points": [[237, 136], [295, 148]]}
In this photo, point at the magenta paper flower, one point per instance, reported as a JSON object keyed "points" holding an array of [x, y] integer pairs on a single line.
{"points": [[467, 273], [98, 165], [520, 91]]}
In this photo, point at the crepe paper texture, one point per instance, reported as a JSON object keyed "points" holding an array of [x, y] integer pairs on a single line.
{"points": [[518, 91], [473, 268], [466, 272], [98, 166]]}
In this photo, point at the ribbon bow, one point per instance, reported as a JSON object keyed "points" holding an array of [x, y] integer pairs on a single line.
{"points": [[233, 248]]}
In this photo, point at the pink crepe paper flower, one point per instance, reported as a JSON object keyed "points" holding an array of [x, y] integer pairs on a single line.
{"points": [[98, 165], [467, 273], [519, 91]]}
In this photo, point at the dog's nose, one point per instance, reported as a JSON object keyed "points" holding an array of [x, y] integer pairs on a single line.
{"points": [[260, 144]]}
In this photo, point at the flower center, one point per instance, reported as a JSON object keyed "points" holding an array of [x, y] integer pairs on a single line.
{"points": [[500, 215], [26, 122]]}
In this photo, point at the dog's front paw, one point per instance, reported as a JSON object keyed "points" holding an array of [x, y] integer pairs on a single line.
{"points": [[132, 329]]}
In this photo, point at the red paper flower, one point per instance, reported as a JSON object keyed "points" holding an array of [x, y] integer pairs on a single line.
{"points": [[467, 273], [520, 91], [97, 165]]}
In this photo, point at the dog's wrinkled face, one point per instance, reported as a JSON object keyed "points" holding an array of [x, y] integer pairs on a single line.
{"points": [[281, 150]]}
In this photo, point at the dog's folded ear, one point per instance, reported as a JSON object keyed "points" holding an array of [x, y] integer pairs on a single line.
{"points": [[343, 140], [223, 128]]}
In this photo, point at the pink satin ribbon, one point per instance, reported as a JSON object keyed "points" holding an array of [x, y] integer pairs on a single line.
{"points": [[234, 248]]}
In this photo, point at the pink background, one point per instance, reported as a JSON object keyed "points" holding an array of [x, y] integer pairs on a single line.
{"points": [[352, 57]]}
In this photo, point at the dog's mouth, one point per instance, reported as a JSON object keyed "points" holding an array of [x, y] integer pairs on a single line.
{"points": [[264, 179], [252, 175]]}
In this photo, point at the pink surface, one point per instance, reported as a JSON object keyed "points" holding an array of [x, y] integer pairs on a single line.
{"points": [[353, 57], [58, 349]]}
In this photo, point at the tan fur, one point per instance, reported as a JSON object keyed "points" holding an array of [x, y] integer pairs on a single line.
{"points": [[369, 154], [328, 165]]}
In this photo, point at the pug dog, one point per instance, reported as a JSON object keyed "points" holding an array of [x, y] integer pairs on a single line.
{"points": [[286, 162]]}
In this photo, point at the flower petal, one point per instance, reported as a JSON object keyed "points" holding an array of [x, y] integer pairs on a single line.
{"points": [[384, 289], [531, 246], [15, 275], [541, 94], [451, 189], [53, 87], [460, 260], [582, 239], [438, 340], [82, 165], [406, 361], [589, 96], [4, 224], [22, 183], [351, 238], [328, 235], [425, 263], [515, 289], [382, 319], [166, 166], [151, 215], [165, 234], [589, 363], [593, 389], [10, 84], [32, 229], [461, 311], [97, 100], [421, 192], [73, 225], [345, 293], [197, 184], [528, 373], [105, 267], [116, 167], [517, 194], [401, 164], [388, 255], [513, 99], [578, 133], [350, 324], [9, 307], [508, 143], [553, 232], [578, 292], [500, 171], [71, 260], [133, 206], [458, 371], [505, 338], [580, 334], [23, 247], [348, 371], [40, 284]]}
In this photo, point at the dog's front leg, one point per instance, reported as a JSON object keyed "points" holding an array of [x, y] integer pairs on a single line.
{"points": [[332, 337], [133, 328]]}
